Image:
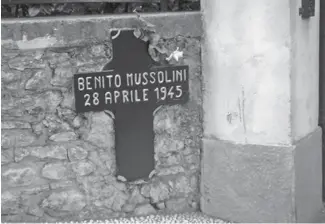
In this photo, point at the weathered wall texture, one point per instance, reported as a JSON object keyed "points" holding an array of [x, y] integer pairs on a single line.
{"points": [[268, 55], [59, 166], [246, 59], [305, 71]]}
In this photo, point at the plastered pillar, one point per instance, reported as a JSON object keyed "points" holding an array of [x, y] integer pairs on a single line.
{"points": [[262, 146]]}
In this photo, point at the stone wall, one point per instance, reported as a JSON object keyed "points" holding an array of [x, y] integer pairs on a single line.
{"points": [[58, 165]]}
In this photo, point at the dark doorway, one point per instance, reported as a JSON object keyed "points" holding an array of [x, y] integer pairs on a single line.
{"points": [[322, 82]]}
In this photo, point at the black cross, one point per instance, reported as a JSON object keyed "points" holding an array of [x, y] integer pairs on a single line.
{"points": [[132, 87]]}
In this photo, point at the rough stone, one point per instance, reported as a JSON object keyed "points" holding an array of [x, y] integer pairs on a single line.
{"points": [[144, 210], [195, 205], [70, 201], [18, 175], [168, 120], [9, 101], [34, 105], [101, 130], [171, 160], [83, 168], [121, 178], [63, 76], [116, 199], [10, 203], [9, 75], [50, 99], [39, 80], [68, 99], [104, 160], [76, 153], [61, 184], [17, 138], [22, 62], [98, 50], [35, 210], [182, 186], [170, 171], [7, 156], [92, 66], [34, 54], [136, 197], [165, 145], [20, 218], [77, 122], [194, 182], [54, 151], [38, 128], [15, 124], [55, 171], [55, 125], [192, 159], [161, 205], [189, 150], [14, 80], [177, 205], [145, 190], [158, 192], [64, 137], [30, 204], [55, 58], [128, 208], [66, 114], [36, 189], [8, 54]]}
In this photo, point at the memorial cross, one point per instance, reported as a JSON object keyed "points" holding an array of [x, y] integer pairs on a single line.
{"points": [[132, 87]]}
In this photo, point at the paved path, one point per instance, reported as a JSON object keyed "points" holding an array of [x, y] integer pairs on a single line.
{"points": [[195, 217]]}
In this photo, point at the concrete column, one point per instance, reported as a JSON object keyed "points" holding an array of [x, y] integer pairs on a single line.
{"points": [[262, 146]]}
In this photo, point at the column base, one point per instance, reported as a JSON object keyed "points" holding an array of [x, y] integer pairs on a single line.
{"points": [[255, 183]]}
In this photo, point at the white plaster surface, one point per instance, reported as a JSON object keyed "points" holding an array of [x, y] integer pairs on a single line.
{"points": [[250, 57], [305, 72]]}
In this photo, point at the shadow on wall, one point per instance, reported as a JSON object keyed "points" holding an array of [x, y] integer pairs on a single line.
{"points": [[322, 82]]}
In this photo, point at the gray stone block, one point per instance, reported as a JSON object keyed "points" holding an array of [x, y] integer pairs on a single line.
{"points": [[254, 183]]}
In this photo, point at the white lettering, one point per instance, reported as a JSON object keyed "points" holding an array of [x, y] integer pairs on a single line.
{"points": [[137, 78], [108, 98], [179, 90], [179, 75], [109, 77], [166, 78], [95, 98], [129, 79], [81, 84], [87, 96], [185, 75], [137, 99], [88, 87], [125, 94], [131, 97], [152, 77], [145, 74], [103, 81], [145, 94], [97, 81], [117, 80], [160, 77], [116, 96]]}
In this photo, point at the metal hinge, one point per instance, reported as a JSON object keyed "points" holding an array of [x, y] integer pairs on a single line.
{"points": [[307, 9]]}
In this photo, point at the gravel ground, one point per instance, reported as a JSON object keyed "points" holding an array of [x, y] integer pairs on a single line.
{"points": [[195, 217]]}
